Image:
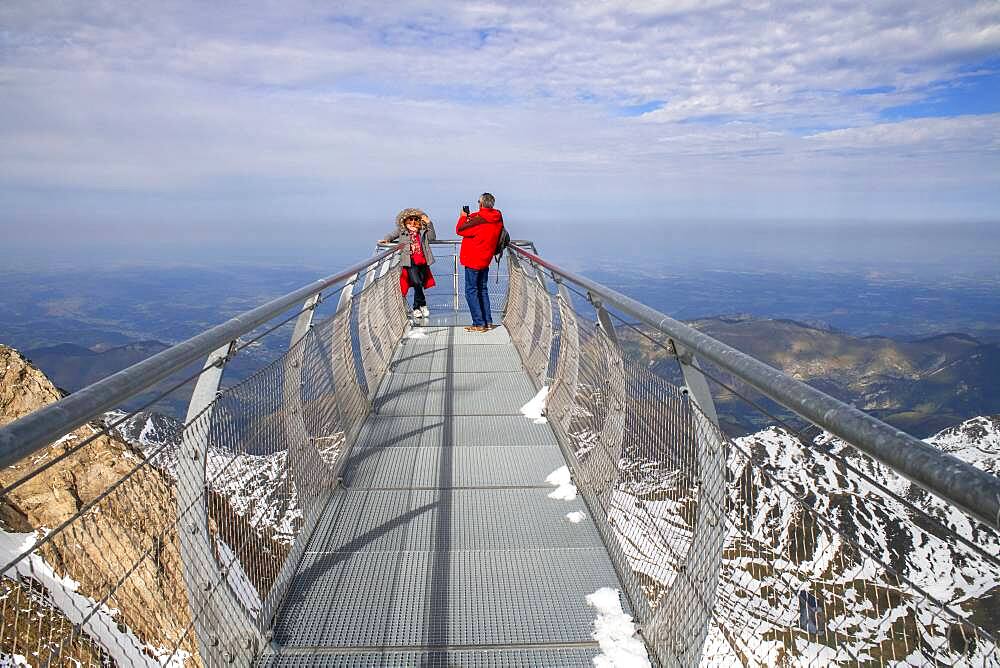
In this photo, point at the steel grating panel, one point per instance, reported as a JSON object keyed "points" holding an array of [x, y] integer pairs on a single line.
{"points": [[386, 431], [442, 537], [379, 599], [468, 519], [441, 402], [443, 318], [456, 394], [457, 359], [496, 383], [556, 657], [486, 466], [438, 336]]}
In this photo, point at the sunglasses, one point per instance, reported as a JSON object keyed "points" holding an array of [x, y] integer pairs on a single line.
{"points": [[416, 218]]}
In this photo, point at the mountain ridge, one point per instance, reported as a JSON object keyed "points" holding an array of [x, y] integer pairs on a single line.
{"points": [[919, 386]]}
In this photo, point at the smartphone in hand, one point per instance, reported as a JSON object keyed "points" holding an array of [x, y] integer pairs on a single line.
{"points": [[465, 209]]}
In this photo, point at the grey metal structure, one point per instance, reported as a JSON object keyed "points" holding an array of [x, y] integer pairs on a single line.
{"points": [[976, 492], [373, 496], [442, 537]]}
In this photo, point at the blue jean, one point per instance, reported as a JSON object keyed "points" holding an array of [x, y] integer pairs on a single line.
{"points": [[477, 296]]}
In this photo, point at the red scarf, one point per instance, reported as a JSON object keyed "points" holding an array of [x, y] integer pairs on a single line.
{"points": [[416, 248]]}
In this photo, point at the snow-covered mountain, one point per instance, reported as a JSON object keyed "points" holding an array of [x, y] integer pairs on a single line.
{"points": [[258, 488], [976, 441], [821, 566], [146, 430]]}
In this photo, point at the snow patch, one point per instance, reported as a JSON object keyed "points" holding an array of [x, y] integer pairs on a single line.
{"points": [[615, 633], [565, 489], [415, 334], [576, 516], [535, 409], [560, 476], [148, 436]]}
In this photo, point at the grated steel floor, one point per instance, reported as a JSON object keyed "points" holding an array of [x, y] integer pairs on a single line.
{"points": [[555, 657], [442, 547]]}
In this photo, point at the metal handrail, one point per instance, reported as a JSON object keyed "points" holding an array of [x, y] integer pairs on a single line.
{"points": [[42, 427], [974, 491], [457, 242]]}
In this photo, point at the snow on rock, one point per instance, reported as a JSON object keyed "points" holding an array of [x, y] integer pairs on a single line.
{"points": [[563, 482], [257, 487], [101, 623], [776, 556], [147, 430], [976, 441], [773, 465], [576, 516], [535, 409], [615, 633], [12, 660]]}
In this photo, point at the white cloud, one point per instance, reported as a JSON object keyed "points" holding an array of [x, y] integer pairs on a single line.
{"points": [[431, 98]]}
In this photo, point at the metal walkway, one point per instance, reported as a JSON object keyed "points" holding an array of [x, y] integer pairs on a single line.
{"points": [[442, 545]]}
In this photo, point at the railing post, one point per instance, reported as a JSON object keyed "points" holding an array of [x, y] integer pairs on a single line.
{"points": [[564, 385], [527, 329], [223, 633], [352, 407], [301, 453], [454, 281], [682, 619], [602, 466], [540, 350], [603, 318], [366, 338], [373, 327], [350, 398]]}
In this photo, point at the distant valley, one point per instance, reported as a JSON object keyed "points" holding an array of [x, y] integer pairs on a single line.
{"points": [[919, 386], [824, 327], [71, 367]]}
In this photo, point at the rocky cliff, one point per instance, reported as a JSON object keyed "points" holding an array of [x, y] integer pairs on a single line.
{"points": [[122, 534]]}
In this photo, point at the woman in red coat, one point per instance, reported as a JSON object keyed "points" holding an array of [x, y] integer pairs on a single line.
{"points": [[415, 229]]}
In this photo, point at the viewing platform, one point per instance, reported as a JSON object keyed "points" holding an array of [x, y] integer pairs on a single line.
{"points": [[442, 546], [399, 491]]}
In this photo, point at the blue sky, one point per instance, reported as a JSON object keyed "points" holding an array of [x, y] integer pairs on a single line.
{"points": [[145, 121]]}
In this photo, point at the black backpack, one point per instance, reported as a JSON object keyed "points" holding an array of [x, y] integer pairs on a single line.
{"points": [[502, 242]]}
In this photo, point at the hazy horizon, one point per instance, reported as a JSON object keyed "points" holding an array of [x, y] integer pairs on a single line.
{"points": [[967, 249]]}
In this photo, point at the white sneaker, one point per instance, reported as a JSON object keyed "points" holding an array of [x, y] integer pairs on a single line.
{"points": [[424, 311]]}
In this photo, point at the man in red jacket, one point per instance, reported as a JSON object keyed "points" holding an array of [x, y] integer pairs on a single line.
{"points": [[479, 232]]}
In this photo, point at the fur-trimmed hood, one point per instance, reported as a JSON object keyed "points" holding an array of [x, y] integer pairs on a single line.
{"points": [[406, 213]]}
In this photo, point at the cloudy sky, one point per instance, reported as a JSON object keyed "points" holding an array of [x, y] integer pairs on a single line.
{"points": [[135, 119]]}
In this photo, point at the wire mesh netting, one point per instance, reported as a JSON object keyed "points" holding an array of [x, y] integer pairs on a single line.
{"points": [[529, 319], [381, 320], [177, 554], [768, 549], [449, 292]]}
